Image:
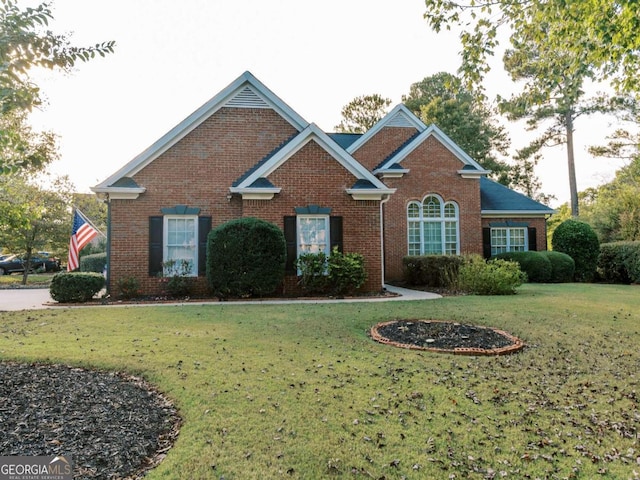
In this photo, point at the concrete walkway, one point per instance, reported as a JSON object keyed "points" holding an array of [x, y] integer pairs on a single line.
{"points": [[13, 299]]}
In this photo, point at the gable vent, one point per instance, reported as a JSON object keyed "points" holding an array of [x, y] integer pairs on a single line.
{"points": [[400, 120], [247, 98]]}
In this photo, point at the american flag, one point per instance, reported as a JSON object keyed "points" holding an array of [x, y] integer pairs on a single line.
{"points": [[81, 234]]}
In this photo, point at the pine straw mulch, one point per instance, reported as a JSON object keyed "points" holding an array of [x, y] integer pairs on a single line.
{"points": [[112, 425]]}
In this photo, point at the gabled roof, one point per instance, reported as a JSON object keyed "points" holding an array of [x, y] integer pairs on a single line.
{"points": [[469, 165], [400, 116], [244, 92], [496, 199], [365, 182], [344, 139]]}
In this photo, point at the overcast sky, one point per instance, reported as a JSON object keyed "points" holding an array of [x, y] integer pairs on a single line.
{"points": [[172, 56]]}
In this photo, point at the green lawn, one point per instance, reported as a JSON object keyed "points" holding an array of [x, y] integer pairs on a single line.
{"points": [[33, 279], [300, 391]]}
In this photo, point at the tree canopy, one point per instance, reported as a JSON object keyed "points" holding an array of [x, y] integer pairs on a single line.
{"points": [[25, 43], [362, 113], [599, 34]]}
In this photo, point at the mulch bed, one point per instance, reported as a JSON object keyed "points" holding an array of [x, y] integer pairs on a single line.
{"points": [[447, 337], [112, 425]]}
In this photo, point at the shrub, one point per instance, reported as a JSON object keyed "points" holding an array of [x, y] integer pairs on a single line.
{"points": [[346, 272], [75, 286], [436, 271], [619, 262], [579, 241], [176, 279], [128, 287], [536, 266], [493, 277], [312, 272], [562, 266], [93, 263], [245, 257]]}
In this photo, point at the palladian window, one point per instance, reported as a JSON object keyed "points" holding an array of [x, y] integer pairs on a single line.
{"points": [[433, 227]]}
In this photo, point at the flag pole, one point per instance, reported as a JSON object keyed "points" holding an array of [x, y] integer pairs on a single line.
{"points": [[88, 221]]}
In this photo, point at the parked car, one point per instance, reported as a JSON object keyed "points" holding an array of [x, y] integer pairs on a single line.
{"points": [[15, 263]]}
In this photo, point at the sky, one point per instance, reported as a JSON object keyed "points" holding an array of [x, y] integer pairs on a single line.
{"points": [[171, 57]]}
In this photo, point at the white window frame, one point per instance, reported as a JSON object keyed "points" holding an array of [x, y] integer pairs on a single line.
{"points": [[509, 247], [443, 221], [166, 246], [327, 245]]}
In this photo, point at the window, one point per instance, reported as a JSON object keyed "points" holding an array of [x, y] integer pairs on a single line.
{"points": [[313, 234], [180, 243], [508, 239], [433, 227]]}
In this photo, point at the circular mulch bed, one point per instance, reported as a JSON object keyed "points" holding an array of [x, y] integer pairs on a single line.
{"points": [[112, 425], [447, 337]]}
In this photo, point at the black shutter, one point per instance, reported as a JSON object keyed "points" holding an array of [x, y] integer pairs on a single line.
{"points": [[486, 242], [292, 246], [204, 227], [335, 231], [533, 240], [155, 245]]}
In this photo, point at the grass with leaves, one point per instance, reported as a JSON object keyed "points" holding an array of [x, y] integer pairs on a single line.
{"points": [[301, 391]]}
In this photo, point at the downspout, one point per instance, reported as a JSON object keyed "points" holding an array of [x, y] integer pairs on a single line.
{"points": [[108, 279], [382, 256]]}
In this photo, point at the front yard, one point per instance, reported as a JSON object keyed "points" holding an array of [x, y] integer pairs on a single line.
{"points": [[301, 391]]}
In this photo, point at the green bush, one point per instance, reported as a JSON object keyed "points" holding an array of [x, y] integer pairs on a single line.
{"points": [[493, 277], [93, 263], [346, 272], [176, 280], [579, 241], [75, 286], [619, 262], [562, 266], [435, 271], [312, 272], [536, 266], [245, 257], [128, 287]]}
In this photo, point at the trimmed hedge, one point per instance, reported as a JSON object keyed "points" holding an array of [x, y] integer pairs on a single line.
{"points": [[619, 262], [435, 271], [93, 263], [579, 241], [563, 267], [72, 287], [245, 257], [537, 267]]}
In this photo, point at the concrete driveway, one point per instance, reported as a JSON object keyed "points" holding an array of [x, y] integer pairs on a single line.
{"points": [[12, 299], [24, 298]]}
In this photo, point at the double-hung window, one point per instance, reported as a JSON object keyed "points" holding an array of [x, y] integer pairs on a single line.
{"points": [[313, 234], [433, 227], [180, 243], [508, 239]]}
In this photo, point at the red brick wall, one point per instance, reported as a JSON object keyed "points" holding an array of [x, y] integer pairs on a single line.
{"points": [[199, 170], [433, 170], [381, 145]]}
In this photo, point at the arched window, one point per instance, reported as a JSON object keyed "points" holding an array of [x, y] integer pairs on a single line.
{"points": [[433, 227]]}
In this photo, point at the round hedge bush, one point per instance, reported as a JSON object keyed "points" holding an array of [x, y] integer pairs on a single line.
{"points": [[537, 267], [579, 241], [562, 266], [245, 257], [72, 287]]}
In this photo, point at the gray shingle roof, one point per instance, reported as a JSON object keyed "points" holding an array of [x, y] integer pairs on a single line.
{"points": [[497, 197]]}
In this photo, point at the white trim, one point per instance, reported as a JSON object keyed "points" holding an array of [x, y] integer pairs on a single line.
{"points": [[165, 234], [392, 172], [181, 130], [326, 218], [313, 132], [119, 193], [472, 173], [434, 131], [442, 220], [516, 213], [389, 120], [255, 193], [367, 194], [508, 245]]}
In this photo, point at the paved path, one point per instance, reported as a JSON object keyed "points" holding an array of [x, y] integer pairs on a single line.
{"points": [[12, 299]]}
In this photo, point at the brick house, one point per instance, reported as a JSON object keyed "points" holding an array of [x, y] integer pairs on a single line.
{"points": [[401, 188]]}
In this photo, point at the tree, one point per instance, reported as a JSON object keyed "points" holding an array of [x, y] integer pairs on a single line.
{"points": [[25, 44], [362, 113], [34, 218], [442, 99], [21, 148], [601, 34]]}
